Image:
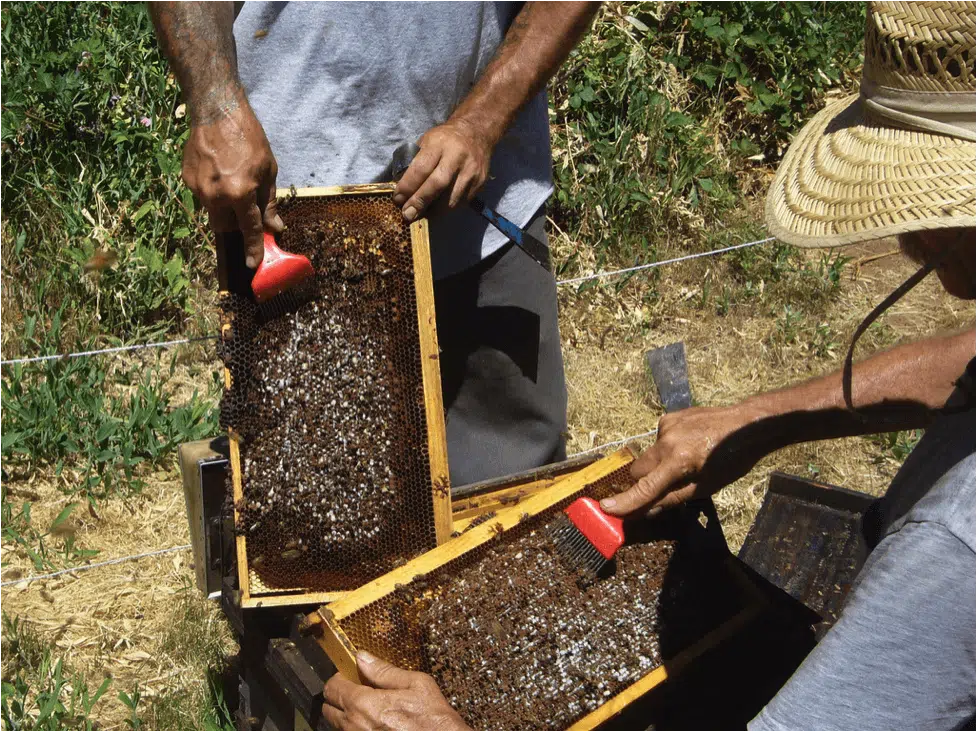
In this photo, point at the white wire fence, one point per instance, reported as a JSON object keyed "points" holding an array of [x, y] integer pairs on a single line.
{"points": [[24, 581], [571, 281]]}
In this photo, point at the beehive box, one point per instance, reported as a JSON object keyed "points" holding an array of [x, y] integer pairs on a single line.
{"points": [[501, 668], [333, 401]]}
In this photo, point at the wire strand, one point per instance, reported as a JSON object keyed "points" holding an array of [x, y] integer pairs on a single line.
{"points": [[571, 281], [83, 567], [116, 349], [687, 257], [615, 443], [182, 547]]}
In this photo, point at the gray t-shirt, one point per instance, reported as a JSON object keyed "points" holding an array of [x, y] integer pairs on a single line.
{"points": [[338, 86], [901, 656]]}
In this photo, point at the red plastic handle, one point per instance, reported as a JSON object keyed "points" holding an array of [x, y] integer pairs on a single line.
{"points": [[278, 270], [272, 252], [605, 532]]}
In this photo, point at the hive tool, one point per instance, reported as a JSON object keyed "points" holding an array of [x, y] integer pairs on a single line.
{"points": [[533, 247]]}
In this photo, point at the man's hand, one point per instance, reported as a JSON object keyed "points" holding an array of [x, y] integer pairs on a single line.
{"points": [[229, 165], [673, 470], [227, 161], [391, 698], [454, 159], [701, 450]]}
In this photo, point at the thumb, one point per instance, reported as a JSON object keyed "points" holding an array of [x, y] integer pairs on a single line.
{"points": [[380, 674]]}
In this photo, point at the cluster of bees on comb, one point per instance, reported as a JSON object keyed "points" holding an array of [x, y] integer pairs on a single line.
{"points": [[324, 398]]}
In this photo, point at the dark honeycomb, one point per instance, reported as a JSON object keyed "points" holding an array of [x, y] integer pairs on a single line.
{"points": [[508, 620], [327, 398]]}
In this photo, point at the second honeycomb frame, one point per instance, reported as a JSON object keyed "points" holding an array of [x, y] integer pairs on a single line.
{"points": [[433, 404]]}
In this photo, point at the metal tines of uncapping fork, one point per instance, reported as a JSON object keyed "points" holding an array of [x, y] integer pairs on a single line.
{"points": [[588, 537]]}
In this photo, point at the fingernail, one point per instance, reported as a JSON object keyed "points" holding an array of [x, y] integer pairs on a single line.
{"points": [[652, 512], [409, 213], [365, 657], [399, 199], [608, 503], [279, 223], [252, 262]]}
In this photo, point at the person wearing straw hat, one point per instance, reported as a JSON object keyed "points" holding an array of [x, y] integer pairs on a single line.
{"points": [[897, 159]]}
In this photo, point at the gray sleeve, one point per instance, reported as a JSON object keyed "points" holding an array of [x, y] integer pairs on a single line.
{"points": [[902, 654]]}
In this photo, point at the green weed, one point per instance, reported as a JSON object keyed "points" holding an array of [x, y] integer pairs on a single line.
{"points": [[75, 414], [663, 105], [20, 534], [131, 702], [39, 691], [91, 150], [896, 445]]}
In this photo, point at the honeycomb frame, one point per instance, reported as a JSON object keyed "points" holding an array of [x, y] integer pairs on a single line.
{"points": [[335, 625], [252, 591]]}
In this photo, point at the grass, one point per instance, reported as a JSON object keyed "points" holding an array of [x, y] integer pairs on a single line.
{"points": [[665, 124], [40, 692], [43, 689]]}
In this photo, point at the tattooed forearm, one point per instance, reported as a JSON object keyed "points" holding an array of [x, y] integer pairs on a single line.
{"points": [[197, 39], [538, 41]]}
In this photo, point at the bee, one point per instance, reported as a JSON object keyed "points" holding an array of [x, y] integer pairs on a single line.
{"points": [[441, 487], [102, 259], [498, 528]]}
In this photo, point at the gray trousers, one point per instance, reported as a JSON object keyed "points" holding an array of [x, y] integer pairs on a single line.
{"points": [[502, 375]]}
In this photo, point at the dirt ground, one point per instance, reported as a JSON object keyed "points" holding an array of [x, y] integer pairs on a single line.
{"points": [[121, 620]]}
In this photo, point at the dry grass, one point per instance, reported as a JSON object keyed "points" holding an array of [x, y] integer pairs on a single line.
{"points": [[120, 620]]}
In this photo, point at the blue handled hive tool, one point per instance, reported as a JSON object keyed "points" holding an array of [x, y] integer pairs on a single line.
{"points": [[532, 246]]}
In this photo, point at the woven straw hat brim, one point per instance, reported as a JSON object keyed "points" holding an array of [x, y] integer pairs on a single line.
{"points": [[848, 178]]}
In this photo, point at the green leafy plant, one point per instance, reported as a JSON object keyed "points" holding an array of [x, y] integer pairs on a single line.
{"points": [[75, 414], [132, 704], [663, 105], [896, 445], [20, 534], [91, 151], [39, 693]]}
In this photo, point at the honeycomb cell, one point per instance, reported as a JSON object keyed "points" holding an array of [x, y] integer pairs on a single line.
{"points": [[323, 396]]}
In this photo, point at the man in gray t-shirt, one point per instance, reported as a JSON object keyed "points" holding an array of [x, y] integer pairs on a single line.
{"points": [[319, 94]]}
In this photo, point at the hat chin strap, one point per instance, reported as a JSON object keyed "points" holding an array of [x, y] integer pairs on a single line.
{"points": [[895, 296], [941, 112]]}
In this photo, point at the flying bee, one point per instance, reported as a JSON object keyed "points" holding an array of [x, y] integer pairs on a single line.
{"points": [[102, 259]]}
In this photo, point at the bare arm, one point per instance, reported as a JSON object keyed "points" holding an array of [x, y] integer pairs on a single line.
{"points": [[919, 375], [227, 161], [700, 450], [538, 41], [196, 38], [455, 156]]}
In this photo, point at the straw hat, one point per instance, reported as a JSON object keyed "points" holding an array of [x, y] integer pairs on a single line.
{"points": [[899, 156]]}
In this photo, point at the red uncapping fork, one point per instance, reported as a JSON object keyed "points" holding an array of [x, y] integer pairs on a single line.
{"points": [[278, 271], [588, 537]]}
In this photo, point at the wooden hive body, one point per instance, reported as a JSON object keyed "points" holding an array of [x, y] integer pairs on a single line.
{"points": [[370, 302]]}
